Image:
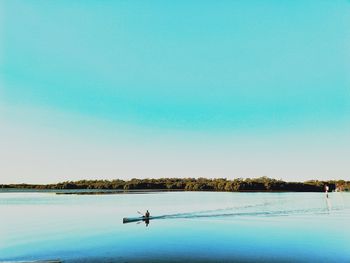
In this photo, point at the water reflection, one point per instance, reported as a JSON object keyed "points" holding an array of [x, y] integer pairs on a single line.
{"points": [[188, 226], [146, 221]]}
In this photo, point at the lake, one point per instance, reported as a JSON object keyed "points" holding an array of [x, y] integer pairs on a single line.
{"points": [[197, 227]]}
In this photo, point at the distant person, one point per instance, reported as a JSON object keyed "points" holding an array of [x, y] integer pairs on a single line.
{"points": [[146, 216], [326, 188]]}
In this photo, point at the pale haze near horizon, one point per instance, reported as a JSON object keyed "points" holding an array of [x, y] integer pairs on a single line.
{"points": [[148, 90]]}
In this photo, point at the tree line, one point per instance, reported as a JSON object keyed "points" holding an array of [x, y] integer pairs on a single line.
{"points": [[194, 184]]}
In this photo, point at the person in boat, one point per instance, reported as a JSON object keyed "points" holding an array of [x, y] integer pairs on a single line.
{"points": [[146, 218]]}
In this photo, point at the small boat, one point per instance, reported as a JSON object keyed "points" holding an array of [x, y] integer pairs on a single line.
{"points": [[140, 218]]}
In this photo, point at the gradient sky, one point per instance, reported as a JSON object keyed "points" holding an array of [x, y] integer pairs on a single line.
{"points": [[122, 89]]}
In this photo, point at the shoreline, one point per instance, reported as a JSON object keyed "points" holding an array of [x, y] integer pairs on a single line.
{"points": [[141, 191], [261, 184]]}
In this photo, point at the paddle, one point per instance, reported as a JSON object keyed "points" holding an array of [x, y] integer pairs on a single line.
{"points": [[140, 213]]}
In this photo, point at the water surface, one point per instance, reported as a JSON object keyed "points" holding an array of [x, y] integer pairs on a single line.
{"points": [[197, 227]]}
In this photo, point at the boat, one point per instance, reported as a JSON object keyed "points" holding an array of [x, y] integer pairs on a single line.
{"points": [[136, 219], [139, 218]]}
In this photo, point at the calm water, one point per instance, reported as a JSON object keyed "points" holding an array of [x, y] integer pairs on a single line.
{"points": [[201, 227]]}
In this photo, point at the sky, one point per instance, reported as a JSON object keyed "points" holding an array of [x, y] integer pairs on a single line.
{"points": [[149, 89]]}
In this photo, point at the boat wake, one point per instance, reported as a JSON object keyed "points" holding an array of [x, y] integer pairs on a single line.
{"points": [[248, 213], [231, 212]]}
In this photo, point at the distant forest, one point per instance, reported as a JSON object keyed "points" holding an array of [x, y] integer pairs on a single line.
{"points": [[195, 184]]}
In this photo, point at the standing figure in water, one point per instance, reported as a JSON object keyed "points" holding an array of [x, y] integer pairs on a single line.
{"points": [[147, 214], [326, 188]]}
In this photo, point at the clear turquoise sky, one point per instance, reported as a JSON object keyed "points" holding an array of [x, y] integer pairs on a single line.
{"points": [[106, 89]]}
